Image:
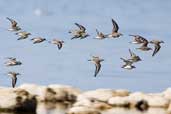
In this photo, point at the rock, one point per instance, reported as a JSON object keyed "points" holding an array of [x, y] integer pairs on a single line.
{"points": [[102, 94], [93, 103], [167, 93], [119, 101], [62, 93], [38, 91], [17, 100], [82, 110], [153, 100], [52, 93]]}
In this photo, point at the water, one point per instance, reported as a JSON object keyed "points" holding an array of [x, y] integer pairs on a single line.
{"points": [[44, 64]]}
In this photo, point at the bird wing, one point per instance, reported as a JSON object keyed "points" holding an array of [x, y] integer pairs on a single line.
{"points": [[14, 80], [157, 48], [98, 67], [131, 53], [13, 22], [81, 27], [97, 32], [115, 26], [59, 45]]}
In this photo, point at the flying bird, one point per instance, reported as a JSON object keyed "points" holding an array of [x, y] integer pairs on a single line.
{"points": [[13, 76], [137, 39], [38, 40], [156, 46], [100, 35], [12, 62], [23, 35], [128, 64], [134, 57], [14, 24], [115, 33], [79, 33], [57, 42], [97, 61], [144, 46]]}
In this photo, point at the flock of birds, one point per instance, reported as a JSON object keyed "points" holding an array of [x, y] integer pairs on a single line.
{"points": [[80, 33]]}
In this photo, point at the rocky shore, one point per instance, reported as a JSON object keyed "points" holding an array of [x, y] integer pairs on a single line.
{"points": [[30, 98]]}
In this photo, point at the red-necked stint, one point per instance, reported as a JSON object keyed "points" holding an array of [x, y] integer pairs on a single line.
{"points": [[14, 26], [57, 42], [23, 35], [144, 46], [134, 57], [13, 76], [97, 61], [12, 62], [100, 35], [115, 33], [137, 39], [128, 64], [79, 33], [38, 40], [156, 45]]}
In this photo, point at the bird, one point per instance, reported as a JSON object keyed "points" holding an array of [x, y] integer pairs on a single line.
{"points": [[97, 61], [57, 42], [79, 33], [38, 40], [115, 33], [144, 46], [13, 76], [100, 35], [128, 64], [23, 35], [12, 62], [156, 46], [14, 24], [134, 57], [137, 39]]}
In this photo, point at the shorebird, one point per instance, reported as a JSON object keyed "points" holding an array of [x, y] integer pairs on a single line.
{"points": [[12, 62], [115, 33], [134, 57], [38, 40], [97, 61], [57, 42], [100, 35], [13, 76], [144, 46], [79, 33], [156, 45], [14, 26], [137, 39], [23, 35], [128, 64]]}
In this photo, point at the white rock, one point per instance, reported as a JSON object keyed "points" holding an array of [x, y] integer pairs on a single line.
{"points": [[119, 101], [102, 94], [93, 103], [82, 110], [167, 93], [17, 100], [152, 99]]}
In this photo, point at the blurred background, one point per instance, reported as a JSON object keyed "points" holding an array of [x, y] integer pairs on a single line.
{"points": [[45, 64]]}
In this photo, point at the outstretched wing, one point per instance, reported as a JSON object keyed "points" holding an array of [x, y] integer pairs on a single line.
{"points": [[157, 48], [14, 80], [97, 32], [98, 67], [115, 26], [81, 27], [13, 22], [59, 45]]}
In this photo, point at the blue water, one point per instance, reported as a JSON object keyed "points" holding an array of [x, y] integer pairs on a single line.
{"points": [[45, 64]]}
